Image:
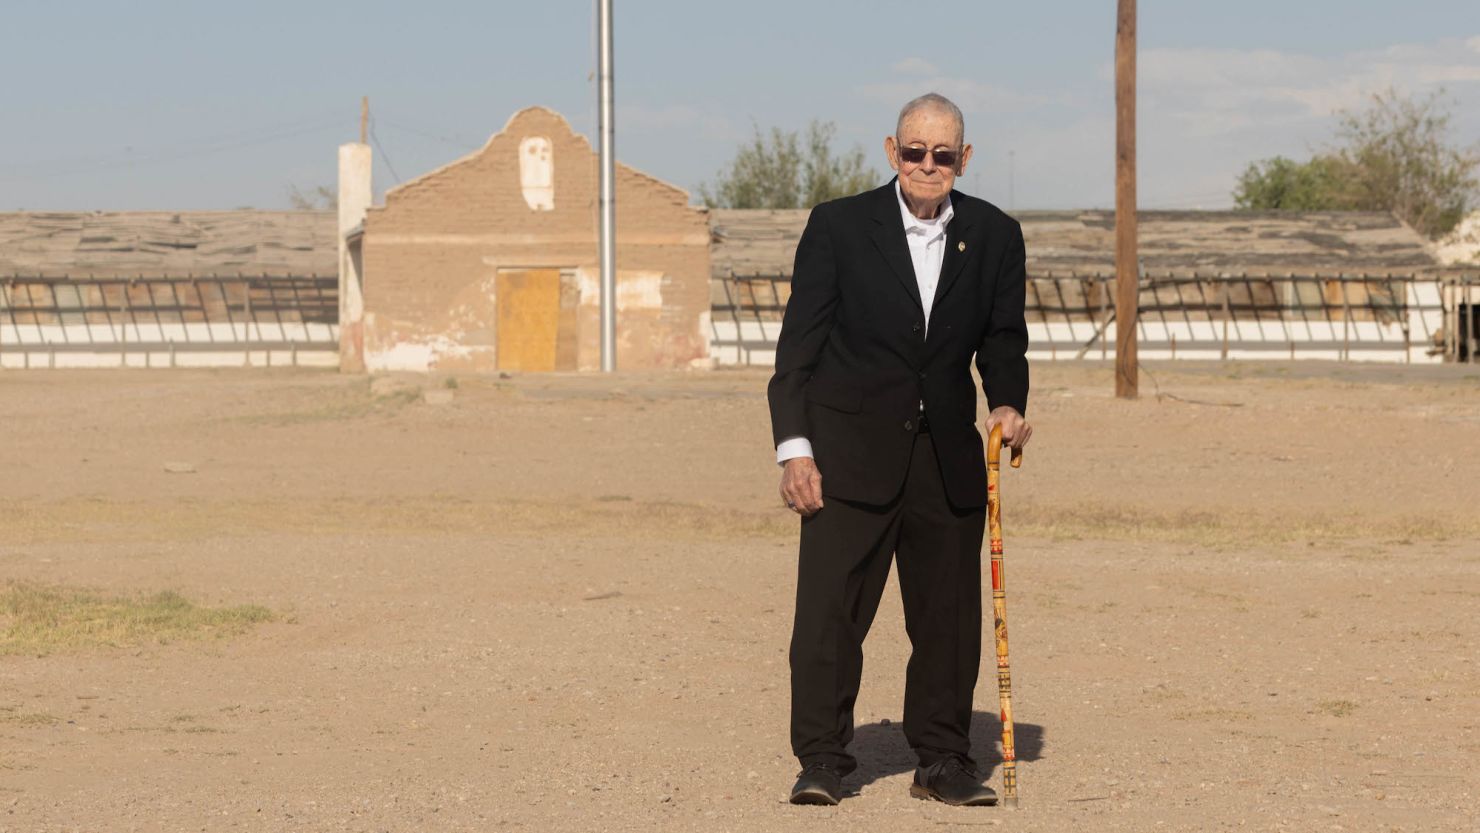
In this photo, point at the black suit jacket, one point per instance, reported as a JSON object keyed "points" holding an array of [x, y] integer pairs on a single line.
{"points": [[855, 360]]}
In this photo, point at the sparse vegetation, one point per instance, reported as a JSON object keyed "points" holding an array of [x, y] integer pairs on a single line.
{"points": [[42, 619], [1395, 156], [320, 198], [785, 169], [343, 404], [1215, 715], [82, 520], [13, 716]]}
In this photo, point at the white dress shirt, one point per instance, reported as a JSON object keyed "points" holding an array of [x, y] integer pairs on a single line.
{"points": [[927, 242]]}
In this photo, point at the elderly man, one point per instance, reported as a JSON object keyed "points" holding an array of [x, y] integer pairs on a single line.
{"points": [[873, 412]]}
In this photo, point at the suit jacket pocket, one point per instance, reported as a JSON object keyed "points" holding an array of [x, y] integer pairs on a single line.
{"points": [[838, 397]]}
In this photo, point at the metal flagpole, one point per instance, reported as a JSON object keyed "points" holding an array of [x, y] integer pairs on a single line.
{"points": [[605, 136]]}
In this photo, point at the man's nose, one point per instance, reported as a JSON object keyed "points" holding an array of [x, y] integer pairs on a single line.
{"points": [[928, 163]]}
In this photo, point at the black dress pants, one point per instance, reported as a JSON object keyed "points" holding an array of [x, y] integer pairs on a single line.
{"points": [[846, 549]]}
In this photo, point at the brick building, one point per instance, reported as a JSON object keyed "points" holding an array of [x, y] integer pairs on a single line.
{"points": [[491, 262]]}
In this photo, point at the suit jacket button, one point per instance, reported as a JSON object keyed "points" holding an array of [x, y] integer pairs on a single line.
{"points": [[909, 426], [915, 328]]}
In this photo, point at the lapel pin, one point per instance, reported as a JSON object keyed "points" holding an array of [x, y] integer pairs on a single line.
{"points": [[961, 247]]}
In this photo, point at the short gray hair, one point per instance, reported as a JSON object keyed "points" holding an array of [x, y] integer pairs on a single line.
{"points": [[936, 101]]}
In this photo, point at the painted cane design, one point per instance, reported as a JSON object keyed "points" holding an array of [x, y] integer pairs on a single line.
{"points": [[999, 611]]}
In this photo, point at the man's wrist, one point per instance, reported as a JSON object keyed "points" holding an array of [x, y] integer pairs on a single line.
{"points": [[792, 448]]}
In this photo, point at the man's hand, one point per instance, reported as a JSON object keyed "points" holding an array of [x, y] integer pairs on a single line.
{"points": [[1015, 429], [801, 486]]}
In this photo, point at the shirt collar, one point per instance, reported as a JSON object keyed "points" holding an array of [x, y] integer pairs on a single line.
{"points": [[926, 227]]}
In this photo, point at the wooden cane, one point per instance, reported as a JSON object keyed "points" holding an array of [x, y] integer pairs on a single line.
{"points": [[999, 610]]}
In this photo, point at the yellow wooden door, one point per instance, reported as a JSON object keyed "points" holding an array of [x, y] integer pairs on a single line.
{"points": [[528, 318]]}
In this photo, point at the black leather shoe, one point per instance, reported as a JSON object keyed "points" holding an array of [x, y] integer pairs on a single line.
{"points": [[818, 784], [952, 780]]}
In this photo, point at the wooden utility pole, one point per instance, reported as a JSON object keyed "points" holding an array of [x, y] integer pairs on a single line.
{"points": [[1127, 277], [364, 116]]}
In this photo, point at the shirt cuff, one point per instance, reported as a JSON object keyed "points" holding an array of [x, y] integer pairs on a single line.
{"points": [[793, 447]]}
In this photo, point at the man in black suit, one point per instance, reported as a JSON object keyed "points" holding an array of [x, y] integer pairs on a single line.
{"points": [[873, 412]]}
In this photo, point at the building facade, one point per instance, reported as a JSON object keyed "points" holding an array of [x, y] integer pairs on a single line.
{"points": [[491, 263]]}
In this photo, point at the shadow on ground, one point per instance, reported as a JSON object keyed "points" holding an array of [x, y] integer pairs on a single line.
{"points": [[882, 751]]}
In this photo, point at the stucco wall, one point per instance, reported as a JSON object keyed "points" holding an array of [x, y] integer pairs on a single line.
{"points": [[432, 253]]}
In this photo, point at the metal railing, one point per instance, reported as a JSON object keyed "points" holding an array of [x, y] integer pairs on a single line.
{"points": [[1330, 316], [1072, 315], [112, 317], [745, 316]]}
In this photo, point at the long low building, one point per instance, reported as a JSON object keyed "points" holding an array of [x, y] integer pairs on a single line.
{"points": [[263, 287], [168, 288], [1215, 284], [486, 263]]}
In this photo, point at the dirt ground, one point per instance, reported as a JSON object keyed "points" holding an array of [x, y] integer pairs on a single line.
{"points": [[562, 603]]}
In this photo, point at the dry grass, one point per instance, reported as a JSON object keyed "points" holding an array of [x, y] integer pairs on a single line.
{"points": [[1336, 708], [84, 520], [338, 405], [1215, 715], [1230, 528], [13, 716], [38, 619]]}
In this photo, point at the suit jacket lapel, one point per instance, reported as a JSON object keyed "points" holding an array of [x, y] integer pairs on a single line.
{"points": [[955, 254], [888, 236]]}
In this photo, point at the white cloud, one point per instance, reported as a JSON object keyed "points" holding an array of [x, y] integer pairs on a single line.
{"points": [[1204, 114], [1268, 84], [915, 66]]}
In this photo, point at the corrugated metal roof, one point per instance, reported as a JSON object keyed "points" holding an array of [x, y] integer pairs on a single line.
{"points": [[168, 243], [1180, 242]]}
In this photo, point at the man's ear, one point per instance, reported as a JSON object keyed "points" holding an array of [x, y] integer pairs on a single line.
{"points": [[965, 157], [889, 153]]}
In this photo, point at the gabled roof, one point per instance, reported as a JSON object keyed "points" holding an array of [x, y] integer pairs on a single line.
{"points": [[509, 126]]}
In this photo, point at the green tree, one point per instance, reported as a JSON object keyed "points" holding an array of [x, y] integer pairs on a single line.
{"points": [[1395, 156], [826, 176], [1283, 183], [789, 169]]}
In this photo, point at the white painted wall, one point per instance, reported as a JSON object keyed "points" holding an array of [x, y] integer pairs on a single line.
{"points": [[1359, 340], [105, 345], [355, 196]]}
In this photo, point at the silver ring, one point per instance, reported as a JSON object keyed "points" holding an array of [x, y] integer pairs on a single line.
{"points": [[790, 505]]}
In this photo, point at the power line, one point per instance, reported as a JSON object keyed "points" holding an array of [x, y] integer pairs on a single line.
{"points": [[455, 141], [383, 157]]}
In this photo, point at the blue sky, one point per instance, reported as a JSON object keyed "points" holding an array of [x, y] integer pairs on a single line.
{"points": [[207, 104]]}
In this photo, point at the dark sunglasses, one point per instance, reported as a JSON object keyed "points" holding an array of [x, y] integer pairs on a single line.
{"points": [[943, 158]]}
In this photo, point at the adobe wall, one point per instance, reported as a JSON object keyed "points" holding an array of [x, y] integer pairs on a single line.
{"points": [[432, 253]]}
